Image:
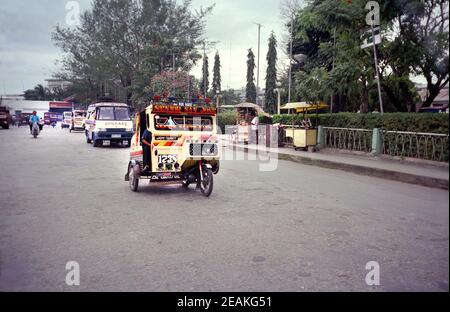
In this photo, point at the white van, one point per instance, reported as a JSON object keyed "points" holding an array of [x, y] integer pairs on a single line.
{"points": [[108, 123], [67, 120]]}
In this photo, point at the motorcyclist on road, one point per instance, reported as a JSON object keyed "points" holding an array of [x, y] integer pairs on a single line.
{"points": [[33, 118]]}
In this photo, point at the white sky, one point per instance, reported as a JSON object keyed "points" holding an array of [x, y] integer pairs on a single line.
{"points": [[28, 56], [232, 24]]}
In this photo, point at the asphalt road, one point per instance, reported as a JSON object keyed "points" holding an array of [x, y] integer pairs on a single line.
{"points": [[297, 228]]}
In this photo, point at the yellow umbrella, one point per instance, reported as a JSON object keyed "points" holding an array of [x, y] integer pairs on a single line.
{"points": [[294, 105], [305, 107]]}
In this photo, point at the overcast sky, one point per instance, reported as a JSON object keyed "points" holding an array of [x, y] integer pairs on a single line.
{"points": [[28, 56]]}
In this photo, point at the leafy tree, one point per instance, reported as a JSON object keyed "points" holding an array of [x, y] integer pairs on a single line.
{"points": [[129, 42], [271, 75], [250, 89], [230, 97], [216, 83], [417, 44], [204, 87], [431, 35], [38, 93], [174, 83]]}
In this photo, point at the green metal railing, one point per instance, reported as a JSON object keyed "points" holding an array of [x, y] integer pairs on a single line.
{"points": [[430, 146], [348, 139]]}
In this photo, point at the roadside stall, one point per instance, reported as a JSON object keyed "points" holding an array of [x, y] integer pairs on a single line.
{"points": [[303, 136], [241, 132]]}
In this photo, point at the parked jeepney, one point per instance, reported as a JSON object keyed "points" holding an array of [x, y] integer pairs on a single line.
{"points": [[78, 120], [107, 123], [184, 145], [24, 119], [5, 118], [50, 118]]}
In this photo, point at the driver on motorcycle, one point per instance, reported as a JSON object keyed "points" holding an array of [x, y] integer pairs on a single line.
{"points": [[33, 118]]}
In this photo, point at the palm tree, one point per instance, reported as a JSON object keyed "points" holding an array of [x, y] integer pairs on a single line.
{"points": [[40, 92]]}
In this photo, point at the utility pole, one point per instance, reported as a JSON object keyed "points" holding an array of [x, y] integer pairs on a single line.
{"points": [[290, 59], [188, 86], [173, 71], [204, 69], [377, 75], [229, 69], [334, 52], [257, 70], [278, 91]]}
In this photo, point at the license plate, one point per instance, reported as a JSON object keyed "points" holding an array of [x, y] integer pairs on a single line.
{"points": [[116, 136], [167, 159], [106, 142]]}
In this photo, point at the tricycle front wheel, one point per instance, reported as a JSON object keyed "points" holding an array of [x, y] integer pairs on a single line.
{"points": [[133, 179], [206, 184]]}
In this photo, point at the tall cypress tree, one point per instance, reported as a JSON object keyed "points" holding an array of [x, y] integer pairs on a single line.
{"points": [[250, 89], [271, 76], [216, 83], [205, 76]]}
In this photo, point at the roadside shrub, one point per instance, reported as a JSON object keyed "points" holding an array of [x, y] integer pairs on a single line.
{"points": [[226, 118]]}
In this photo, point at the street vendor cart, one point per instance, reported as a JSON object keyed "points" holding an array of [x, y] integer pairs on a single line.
{"points": [[303, 136], [245, 113]]}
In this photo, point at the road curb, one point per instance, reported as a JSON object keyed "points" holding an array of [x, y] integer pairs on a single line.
{"points": [[361, 170]]}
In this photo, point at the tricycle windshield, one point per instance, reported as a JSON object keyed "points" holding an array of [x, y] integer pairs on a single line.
{"points": [[183, 123], [79, 114]]}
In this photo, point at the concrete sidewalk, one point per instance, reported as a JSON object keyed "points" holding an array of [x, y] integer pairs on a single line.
{"points": [[426, 173]]}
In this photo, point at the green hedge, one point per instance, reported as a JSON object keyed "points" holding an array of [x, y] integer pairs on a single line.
{"points": [[414, 122], [225, 119]]}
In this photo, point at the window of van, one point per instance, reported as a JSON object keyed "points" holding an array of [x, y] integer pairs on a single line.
{"points": [[113, 113], [105, 113], [122, 113]]}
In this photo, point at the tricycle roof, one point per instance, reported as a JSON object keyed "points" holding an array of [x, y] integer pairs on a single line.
{"points": [[181, 109], [108, 104]]}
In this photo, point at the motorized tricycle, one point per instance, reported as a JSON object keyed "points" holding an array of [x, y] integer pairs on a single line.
{"points": [[184, 146], [78, 120]]}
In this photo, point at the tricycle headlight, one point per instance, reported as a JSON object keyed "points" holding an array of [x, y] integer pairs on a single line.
{"points": [[101, 129], [129, 129]]}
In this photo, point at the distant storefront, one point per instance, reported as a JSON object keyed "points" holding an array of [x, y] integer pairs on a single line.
{"points": [[19, 105], [59, 107], [439, 104]]}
